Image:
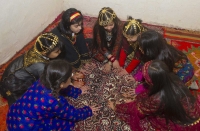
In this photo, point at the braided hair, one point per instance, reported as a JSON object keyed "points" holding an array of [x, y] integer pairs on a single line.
{"points": [[56, 72]]}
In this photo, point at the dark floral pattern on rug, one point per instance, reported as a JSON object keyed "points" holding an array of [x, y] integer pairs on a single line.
{"points": [[103, 87]]}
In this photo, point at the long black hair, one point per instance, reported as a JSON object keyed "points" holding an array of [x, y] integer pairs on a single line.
{"points": [[98, 29], [155, 46], [172, 91], [56, 72], [64, 25]]}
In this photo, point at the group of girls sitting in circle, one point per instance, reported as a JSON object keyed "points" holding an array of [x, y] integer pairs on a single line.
{"points": [[36, 83]]}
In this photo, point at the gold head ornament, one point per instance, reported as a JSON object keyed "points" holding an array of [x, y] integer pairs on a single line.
{"points": [[134, 24], [49, 36], [106, 17]]}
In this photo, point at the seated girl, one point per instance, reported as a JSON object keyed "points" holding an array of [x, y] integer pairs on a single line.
{"points": [[107, 37], [69, 32], [166, 105], [42, 107], [130, 54], [154, 46], [26, 69]]}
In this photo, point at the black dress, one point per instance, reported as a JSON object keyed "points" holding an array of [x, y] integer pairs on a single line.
{"points": [[77, 53], [20, 74]]}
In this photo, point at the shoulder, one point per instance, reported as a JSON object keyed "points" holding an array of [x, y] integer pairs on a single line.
{"points": [[80, 36], [56, 32], [15, 64]]}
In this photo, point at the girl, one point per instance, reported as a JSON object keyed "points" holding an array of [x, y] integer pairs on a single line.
{"points": [[26, 69], [70, 34], [130, 54], [107, 35], [167, 105], [154, 46], [42, 108]]}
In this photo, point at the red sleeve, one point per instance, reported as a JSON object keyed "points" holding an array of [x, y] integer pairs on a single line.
{"points": [[132, 65], [122, 57]]}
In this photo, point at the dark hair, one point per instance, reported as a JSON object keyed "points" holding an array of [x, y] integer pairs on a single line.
{"points": [[133, 29], [56, 72], [64, 25], [47, 43], [172, 92], [98, 29], [155, 47]]}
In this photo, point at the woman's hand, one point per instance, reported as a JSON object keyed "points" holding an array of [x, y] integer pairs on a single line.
{"points": [[78, 79], [111, 105], [84, 89], [129, 93], [94, 109], [116, 64], [107, 67]]}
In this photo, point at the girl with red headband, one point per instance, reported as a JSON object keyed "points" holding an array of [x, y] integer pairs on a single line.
{"points": [[70, 33]]}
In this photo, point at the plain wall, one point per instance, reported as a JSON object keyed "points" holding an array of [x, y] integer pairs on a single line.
{"points": [[22, 20], [183, 14]]}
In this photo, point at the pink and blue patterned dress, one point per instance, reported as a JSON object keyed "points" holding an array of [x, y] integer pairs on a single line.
{"points": [[38, 110]]}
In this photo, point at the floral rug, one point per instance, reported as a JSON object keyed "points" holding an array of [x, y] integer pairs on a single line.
{"points": [[103, 85]]}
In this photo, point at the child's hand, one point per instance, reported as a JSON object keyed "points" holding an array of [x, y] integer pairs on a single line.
{"points": [[128, 100], [78, 75], [116, 64], [95, 109], [111, 105], [129, 93], [107, 67], [84, 89], [78, 84], [122, 72]]}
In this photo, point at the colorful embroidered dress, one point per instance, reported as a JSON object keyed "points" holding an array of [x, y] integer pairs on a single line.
{"points": [[184, 69], [38, 110], [142, 114], [129, 59], [98, 54]]}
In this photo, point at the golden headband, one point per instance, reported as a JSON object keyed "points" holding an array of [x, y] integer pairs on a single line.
{"points": [[73, 16], [109, 19], [46, 49], [135, 24]]}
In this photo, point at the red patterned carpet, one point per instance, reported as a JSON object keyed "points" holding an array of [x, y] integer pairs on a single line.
{"points": [[187, 41]]}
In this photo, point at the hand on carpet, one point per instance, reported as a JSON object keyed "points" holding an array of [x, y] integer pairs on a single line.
{"points": [[129, 93], [78, 79], [111, 104], [122, 72], [95, 109], [116, 64], [84, 89], [107, 68], [129, 78]]}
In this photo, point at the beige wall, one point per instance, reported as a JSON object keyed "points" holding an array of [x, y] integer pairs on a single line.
{"points": [[22, 20], [172, 13]]}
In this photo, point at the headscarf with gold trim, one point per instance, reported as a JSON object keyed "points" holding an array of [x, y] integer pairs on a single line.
{"points": [[34, 55]]}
